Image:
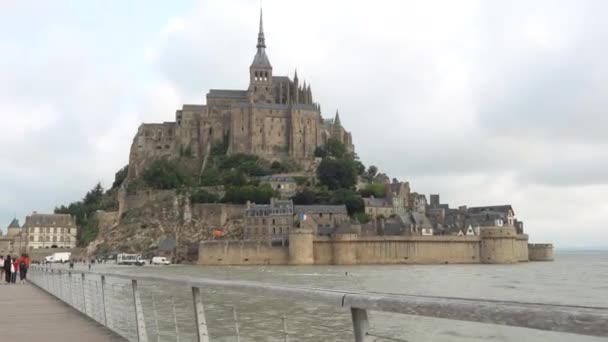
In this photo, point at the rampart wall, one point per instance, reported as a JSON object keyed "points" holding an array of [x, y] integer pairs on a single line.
{"points": [[540, 251], [241, 253], [351, 249]]}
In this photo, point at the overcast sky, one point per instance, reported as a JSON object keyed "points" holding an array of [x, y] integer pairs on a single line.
{"points": [[484, 102]]}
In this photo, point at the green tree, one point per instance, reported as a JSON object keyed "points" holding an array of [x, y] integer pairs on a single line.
{"points": [[337, 173], [305, 197], [120, 176], [202, 196], [210, 177], [164, 174], [376, 190], [372, 171], [320, 152], [335, 148], [353, 201], [241, 194], [94, 195]]}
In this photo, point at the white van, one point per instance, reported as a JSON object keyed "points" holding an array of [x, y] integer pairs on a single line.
{"points": [[59, 257], [160, 261], [129, 259]]}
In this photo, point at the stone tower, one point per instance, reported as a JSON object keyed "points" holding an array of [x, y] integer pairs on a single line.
{"points": [[260, 71]]}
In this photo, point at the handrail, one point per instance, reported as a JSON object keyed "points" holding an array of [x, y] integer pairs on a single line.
{"points": [[582, 320]]}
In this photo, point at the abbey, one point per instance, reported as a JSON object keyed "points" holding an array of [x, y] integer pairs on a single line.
{"points": [[275, 118]]}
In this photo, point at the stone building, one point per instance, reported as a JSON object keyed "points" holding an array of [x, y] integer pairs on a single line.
{"points": [[284, 185], [398, 194], [417, 202], [378, 207], [269, 222], [49, 231], [275, 118], [327, 217]]}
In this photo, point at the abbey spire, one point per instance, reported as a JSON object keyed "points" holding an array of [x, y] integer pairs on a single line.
{"points": [[260, 60], [260, 71], [261, 40]]}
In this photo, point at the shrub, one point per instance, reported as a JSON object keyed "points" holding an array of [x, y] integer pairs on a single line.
{"points": [[120, 176], [164, 174], [353, 201], [337, 173], [210, 177], [241, 194], [203, 196]]}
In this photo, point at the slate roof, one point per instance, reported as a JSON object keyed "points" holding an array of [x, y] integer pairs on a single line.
{"points": [[376, 202], [276, 208], [14, 224], [496, 208], [260, 60], [167, 245], [277, 179], [227, 93], [58, 220], [281, 78], [320, 208]]}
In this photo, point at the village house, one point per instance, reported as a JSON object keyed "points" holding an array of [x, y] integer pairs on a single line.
{"points": [[49, 231], [269, 222], [284, 185], [327, 217]]}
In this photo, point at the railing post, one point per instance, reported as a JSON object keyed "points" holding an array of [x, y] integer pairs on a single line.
{"points": [[285, 333], [175, 319], [84, 296], [155, 318], [70, 289], [103, 299], [360, 324], [199, 313], [236, 324], [139, 314]]}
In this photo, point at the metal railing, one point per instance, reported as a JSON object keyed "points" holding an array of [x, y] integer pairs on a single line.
{"points": [[154, 308]]}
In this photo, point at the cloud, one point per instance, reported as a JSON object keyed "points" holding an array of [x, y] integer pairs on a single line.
{"points": [[482, 102]]}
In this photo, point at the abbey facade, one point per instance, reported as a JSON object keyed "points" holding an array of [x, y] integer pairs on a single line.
{"points": [[275, 118]]}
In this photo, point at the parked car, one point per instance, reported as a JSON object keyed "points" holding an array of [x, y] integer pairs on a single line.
{"points": [[157, 260]]}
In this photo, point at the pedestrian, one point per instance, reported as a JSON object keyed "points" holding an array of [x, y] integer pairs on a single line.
{"points": [[7, 269], [71, 264], [24, 264], [1, 266], [14, 270]]}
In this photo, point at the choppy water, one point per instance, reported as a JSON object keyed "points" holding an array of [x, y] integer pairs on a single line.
{"points": [[573, 278]]}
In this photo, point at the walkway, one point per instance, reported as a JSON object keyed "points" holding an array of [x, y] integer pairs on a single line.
{"points": [[30, 314]]}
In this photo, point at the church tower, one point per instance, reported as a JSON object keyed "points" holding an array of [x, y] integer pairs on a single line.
{"points": [[260, 71]]}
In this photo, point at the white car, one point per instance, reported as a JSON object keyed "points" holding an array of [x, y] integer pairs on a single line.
{"points": [[160, 261]]}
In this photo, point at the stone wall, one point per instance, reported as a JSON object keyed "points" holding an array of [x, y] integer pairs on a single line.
{"points": [[40, 253], [540, 251], [522, 248], [241, 253], [350, 249], [138, 200], [217, 214]]}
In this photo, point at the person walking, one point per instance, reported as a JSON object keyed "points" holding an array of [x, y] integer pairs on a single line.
{"points": [[1, 266], [14, 270], [24, 264], [7, 269]]}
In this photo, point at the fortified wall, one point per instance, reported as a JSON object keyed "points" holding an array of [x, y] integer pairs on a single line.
{"points": [[495, 245], [540, 251]]}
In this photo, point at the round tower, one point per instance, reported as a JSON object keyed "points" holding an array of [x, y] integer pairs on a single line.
{"points": [[540, 251], [498, 245], [344, 249], [301, 246]]}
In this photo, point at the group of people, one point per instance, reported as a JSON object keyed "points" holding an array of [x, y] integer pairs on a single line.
{"points": [[13, 266]]}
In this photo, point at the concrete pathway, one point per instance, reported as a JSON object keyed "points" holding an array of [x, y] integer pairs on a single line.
{"points": [[29, 314]]}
